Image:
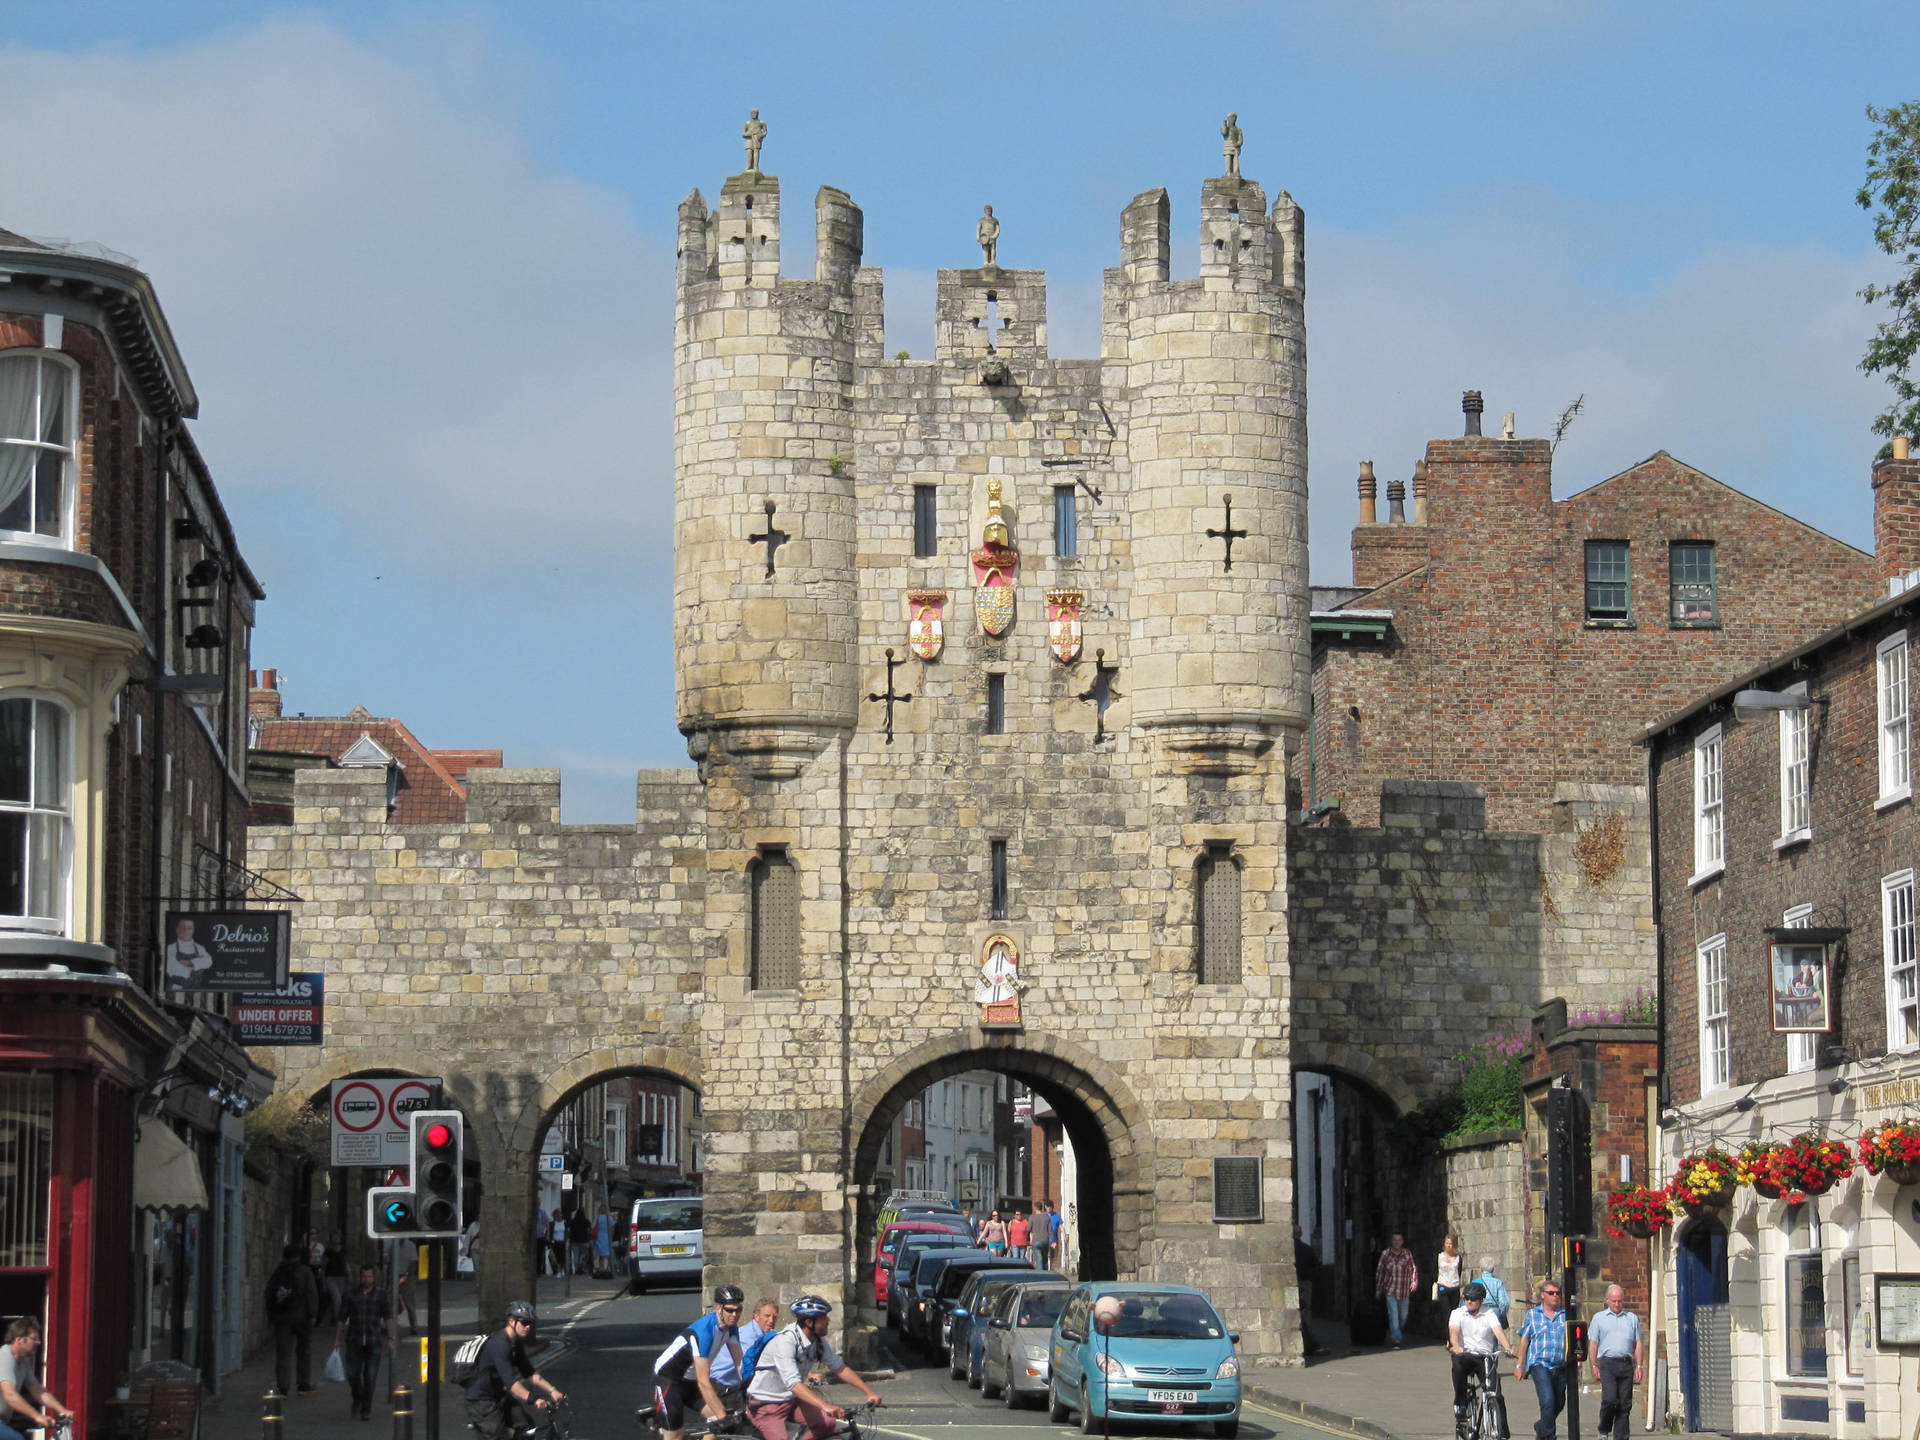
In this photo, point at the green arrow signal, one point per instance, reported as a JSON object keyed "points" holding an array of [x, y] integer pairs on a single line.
{"points": [[396, 1212]]}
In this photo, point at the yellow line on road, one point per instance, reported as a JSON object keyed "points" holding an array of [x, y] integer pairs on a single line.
{"points": [[1294, 1418]]}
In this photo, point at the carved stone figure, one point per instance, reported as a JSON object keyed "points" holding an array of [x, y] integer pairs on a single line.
{"points": [[997, 991], [1231, 141], [987, 232], [754, 131]]}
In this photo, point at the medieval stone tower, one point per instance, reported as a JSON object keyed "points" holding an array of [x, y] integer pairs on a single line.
{"points": [[993, 664]]}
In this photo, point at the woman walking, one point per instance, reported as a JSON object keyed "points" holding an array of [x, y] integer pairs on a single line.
{"points": [[993, 1234], [1447, 1285]]}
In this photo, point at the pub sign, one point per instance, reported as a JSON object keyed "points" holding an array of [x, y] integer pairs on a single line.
{"points": [[227, 949]]}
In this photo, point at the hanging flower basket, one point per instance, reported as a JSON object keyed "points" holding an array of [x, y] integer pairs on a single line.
{"points": [[1808, 1165], [1638, 1212], [1893, 1150], [1705, 1181]]}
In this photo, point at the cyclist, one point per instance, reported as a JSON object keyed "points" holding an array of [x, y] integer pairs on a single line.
{"points": [[500, 1399], [1475, 1335], [779, 1391], [703, 1360]]}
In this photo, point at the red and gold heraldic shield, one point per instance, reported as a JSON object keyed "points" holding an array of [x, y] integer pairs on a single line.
{"points": [[1063, 623], [926, 627]]}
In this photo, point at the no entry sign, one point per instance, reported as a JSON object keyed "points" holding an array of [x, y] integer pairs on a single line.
{"points": [[370, 1117]]}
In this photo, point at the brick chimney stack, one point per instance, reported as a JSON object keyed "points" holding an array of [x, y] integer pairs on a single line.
{"points": [[263, 694], [1896, 514]]}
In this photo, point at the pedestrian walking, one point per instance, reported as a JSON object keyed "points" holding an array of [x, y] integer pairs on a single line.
{"points": [[542, 1241], [1446, 1281], [580, 1243], [1395, 1279], [293, 1300], [1497, 1300], [1039, 1236], [406, 1255], [1057, 1248], [1543, 1355], [1019, 1235], [993, 1234], [1619, 1362], [602, 1245], [557, 1245], [363, 1335], [333, 1275]]}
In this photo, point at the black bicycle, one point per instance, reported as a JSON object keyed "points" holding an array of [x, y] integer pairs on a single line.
{"points": [[1486, 1417], [552, 1421]]}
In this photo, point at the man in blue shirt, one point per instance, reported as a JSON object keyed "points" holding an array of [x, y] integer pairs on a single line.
{"points": [[1619, 1361], [1543, 1352]]}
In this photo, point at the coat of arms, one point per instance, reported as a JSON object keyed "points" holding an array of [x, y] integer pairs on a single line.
{"points": [[997, 992], [993, 567], [926, 632], [1063, 623]]}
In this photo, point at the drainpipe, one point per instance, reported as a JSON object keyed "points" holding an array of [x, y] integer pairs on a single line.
{"points": [[1655, 1270], [157, 761]]}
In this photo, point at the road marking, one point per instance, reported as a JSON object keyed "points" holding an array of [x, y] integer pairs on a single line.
{"points": [[1295, 1419]]}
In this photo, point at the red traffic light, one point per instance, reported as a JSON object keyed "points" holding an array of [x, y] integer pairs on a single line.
{"points": [[439, 1136]]}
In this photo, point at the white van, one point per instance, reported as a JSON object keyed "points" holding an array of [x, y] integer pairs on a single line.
{"points": [[664, 1241]]}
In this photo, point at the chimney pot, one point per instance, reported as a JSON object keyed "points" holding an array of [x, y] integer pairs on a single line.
{"points": [[1396, 502], [1369, 489], [1419, 492], [1473, 404], [1900, 446]]}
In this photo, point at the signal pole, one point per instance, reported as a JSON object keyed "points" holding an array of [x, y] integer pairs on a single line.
{"points": [[430, 1254]]}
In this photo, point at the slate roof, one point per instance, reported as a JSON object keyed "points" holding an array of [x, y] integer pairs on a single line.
{"points": [[430, 790]]}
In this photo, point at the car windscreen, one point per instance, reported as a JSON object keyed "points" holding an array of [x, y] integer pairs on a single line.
{"points": [[959, 1272], [1040, 1308], [667, 1215], [1147, 1315], [927, 1266]]}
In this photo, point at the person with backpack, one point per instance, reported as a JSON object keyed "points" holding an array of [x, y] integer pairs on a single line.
{"points": [[293, 1301], [700, 1361], [500, 1380], [779, 1390]]}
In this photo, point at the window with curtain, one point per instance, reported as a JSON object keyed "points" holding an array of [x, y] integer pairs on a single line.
{"points": [[1903, 970], [1218, 881], [1891, 681], [36, 814], [776, 922], [36, 444]]}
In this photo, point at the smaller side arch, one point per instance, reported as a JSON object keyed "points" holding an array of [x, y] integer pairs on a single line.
{"points": [[1338, 1059]]}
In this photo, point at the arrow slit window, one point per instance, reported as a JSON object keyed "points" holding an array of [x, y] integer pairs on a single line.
{"points": [[775, 885]]}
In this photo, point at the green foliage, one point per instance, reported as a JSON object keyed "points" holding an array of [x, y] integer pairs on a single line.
{"points": [[1490, 1086], [287, 1123], [903, 354], [1892, 193]]}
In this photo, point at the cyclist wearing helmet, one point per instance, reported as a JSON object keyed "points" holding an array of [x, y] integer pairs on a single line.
{"points": [[779, 1391], [1475, 1335], [703, 1360], [500, 1398]]}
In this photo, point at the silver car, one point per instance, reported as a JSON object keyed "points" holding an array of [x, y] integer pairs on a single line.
{"points": [[1013, 1365]]}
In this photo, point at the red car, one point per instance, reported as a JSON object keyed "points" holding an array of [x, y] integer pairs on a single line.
{"points": [[889, 1243]]}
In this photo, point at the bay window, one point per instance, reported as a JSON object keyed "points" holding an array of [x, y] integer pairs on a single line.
{"points": [[36, 813], [36, 445]]}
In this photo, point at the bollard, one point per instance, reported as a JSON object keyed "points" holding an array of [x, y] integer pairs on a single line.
{"points": [[402, 1413], [271, 1422]]}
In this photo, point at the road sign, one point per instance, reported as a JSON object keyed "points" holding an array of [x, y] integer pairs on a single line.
{"points": [[370, 1117], [553, 1163]]}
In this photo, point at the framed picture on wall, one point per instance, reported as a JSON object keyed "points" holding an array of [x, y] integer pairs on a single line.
{"points": [[1800, 989]]}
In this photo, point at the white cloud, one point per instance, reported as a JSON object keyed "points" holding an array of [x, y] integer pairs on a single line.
{"points": [[381, 293]]}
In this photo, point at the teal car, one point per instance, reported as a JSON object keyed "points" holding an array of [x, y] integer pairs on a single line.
{"points": [[1168, 1356]]}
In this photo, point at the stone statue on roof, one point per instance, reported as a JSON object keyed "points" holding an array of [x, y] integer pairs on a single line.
{"points": [[754, 131], [1232, 139], [987, 232]]}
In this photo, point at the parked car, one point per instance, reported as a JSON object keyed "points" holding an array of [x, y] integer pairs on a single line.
{"points": [[1169, 1355], [665, 1241], [903, 1200], [900, 1290], [916, 1294], [936, 1321], [1015, 1337], [889, 1248], [970, 1317]]}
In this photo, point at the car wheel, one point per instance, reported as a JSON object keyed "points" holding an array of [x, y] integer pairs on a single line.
{"points": [[1012, 1395], [1056, 1412], [1226, 1429], [1089, 1422], [638, 1287], [956, 1367], [988, 1390]]}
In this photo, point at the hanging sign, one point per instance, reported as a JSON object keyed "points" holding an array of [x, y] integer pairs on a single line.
{"points": [[294, 1015], [227, 949]]}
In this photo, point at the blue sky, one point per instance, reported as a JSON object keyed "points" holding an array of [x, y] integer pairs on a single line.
{"points": [[419, 258]]}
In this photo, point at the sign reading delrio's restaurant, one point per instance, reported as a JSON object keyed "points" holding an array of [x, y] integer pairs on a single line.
{"points": [[227, 949]]}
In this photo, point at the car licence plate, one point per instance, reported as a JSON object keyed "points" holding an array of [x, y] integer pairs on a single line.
{"points": [[670, 1249], [1172, 1397]]}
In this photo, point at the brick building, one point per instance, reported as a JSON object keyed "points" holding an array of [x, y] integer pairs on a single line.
{"points": [[1503, 638], [1786, 850], [125, 612]]}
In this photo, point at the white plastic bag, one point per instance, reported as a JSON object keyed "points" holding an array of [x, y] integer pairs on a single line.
{"points": [[336, 1368]]}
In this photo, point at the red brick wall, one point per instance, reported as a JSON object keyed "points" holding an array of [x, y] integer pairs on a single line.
{"points": [[1838, 871], [1896, 517], [1493, 674]]}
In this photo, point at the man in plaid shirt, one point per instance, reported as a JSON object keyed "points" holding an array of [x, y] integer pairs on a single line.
{"points": [[1397, 1277], [1543, 1350], [363, 1329]]}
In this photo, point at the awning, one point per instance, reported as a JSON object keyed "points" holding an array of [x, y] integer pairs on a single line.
{"points": [[166, 1175]]}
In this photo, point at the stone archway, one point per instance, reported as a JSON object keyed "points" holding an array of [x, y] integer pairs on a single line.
{"points": [[1105, 1122]]}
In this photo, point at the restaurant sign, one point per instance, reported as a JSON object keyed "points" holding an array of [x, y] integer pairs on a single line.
{"points": [[227, 949]]}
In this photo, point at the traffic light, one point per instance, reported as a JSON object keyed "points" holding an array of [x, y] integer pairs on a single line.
{"points": [[436, 1149], [1577, 1341], [429, 1207], [1576, 1252]]}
